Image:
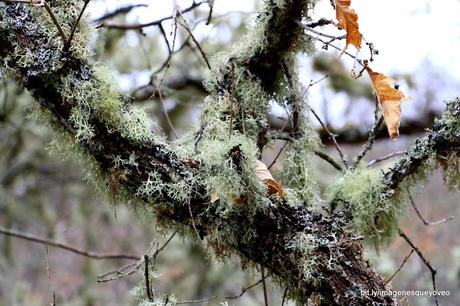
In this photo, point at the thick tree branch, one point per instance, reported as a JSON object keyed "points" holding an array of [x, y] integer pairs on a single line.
{"points": [[338, 272]]}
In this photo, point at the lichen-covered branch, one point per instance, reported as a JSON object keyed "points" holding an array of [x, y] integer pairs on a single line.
{"points": [[206, 181]]}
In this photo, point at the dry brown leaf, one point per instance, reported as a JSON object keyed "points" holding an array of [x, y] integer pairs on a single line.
{"points": [[264, 174], [390, 100], [348, 21]]}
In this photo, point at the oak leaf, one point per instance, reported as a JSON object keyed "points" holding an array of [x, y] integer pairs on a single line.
{"points": [[389, 99], [348, 21]]}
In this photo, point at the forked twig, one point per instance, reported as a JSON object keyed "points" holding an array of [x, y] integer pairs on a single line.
{"points": [[333, 137], [131, 268], [68, 42]]}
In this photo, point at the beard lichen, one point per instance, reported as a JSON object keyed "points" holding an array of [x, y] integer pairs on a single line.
{"points": [[305, 245], [296, 171], [374, 210], [450, 130], [451, 170], [99, 97], [232, 180]]}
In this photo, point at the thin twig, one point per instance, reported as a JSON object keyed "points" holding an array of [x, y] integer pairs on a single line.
{"points": [[321, 22], [165, 112], [425, 261], [197, 301], [55, 21], [133, 267], [329, 159], [277, 155], [399, 269], [74, 27], [243, 291], [152, 23], [187, 28], [427, 223], [147, 278], [333, 137], [370, 140], [284, 296], [386, 157], [328, 43], [211, 8], [118, 11], [30, 237], [264, 286]]}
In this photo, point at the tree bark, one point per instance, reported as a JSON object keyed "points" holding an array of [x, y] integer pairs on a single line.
{"points": [[341, 275]]}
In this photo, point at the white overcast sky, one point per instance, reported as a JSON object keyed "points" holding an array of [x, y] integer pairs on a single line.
{"points": [[407, 33]]}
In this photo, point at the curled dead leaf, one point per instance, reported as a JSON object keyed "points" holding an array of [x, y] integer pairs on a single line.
{"points": [[389, 99], [348, 21], [264, 174]]}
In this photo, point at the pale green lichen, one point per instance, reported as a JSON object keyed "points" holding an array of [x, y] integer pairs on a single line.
{"points": [[375, 212], [99, 97], [305, 245], [450, 121], [157, 298], [297, 172], [66, 12], [451, 170], [228, 181]]}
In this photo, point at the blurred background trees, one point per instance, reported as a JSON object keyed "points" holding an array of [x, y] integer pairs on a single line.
{"points": [[46, 196]]}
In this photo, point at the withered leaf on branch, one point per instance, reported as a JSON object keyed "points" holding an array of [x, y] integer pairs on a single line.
{"points": [[264, 174], [348, 21], [389, 99]]}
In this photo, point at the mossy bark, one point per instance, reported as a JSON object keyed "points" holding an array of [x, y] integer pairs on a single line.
{"points": [[267, 235]]}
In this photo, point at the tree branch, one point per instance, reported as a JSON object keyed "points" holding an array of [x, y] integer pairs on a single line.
{"points": [[339, 274]]}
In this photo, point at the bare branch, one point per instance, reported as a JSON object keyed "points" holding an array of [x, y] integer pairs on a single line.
{"points": [[133, 267], [370, 141], [425, 261], [399, 269], [386, 157], [427, 223], [33, 238], [118, 11], [152, 23]]}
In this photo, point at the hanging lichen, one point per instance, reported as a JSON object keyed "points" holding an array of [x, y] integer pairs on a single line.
{"points": [[374, 211]]}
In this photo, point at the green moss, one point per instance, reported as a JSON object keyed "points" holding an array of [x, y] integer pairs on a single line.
{"points": [[375, 212]]}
